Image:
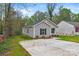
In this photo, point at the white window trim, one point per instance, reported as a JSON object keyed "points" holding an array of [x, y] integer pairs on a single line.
{"points": [[34, 31], [43, 32]]}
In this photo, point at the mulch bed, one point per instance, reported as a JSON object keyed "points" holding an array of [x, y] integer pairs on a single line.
{"points": [[43, 37]]}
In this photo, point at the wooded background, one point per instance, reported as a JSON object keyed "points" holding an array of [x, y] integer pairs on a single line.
{"points": [[12, 21]]}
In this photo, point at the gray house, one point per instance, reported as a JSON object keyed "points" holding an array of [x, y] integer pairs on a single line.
{"points": [[43, 28], [67, 28]]}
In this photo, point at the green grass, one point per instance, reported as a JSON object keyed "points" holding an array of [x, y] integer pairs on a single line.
{"points": [[15, 48], [70, 38], [5, 45]]}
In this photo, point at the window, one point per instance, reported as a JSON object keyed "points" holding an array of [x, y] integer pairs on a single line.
{"points": [[42, 31], [77, 29], [52, 30]]}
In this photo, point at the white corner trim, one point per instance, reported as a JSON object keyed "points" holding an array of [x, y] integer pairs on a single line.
{"points": [[50, 31], [34, 31]]}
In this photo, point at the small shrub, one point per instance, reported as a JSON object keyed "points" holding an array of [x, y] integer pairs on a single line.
{"points": [[43, 37], [55, 35], [49, 36], [37, 36]]}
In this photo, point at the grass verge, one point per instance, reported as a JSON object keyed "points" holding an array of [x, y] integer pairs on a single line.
{"points": [[14, 47], [70, 38]]}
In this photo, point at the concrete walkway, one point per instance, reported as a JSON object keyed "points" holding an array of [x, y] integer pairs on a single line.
{"points": [[50, 47]]}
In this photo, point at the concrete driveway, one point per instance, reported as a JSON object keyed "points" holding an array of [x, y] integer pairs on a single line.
{"points": [[50, 47]]}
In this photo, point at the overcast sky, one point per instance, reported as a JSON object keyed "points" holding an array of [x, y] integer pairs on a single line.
{"points": [[30, 9]]}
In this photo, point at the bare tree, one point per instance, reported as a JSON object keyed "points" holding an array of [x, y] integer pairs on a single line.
{"points": [[51, 7], [7, 21]]}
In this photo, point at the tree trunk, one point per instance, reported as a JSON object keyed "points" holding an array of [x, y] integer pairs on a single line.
{"points": [[51, 8], [7, 21]]}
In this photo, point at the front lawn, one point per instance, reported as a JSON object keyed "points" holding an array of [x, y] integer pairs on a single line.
{"points": [[70, 38], [14, 47]]}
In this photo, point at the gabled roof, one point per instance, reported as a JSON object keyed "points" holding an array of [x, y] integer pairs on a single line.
{"points": [[39, 21], [76, 24], [33, 23]]}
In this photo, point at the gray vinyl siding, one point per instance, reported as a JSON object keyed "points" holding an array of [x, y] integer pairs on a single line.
{"points": [[30, 33], [65, 28], [35, 29], [44, 25]]}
